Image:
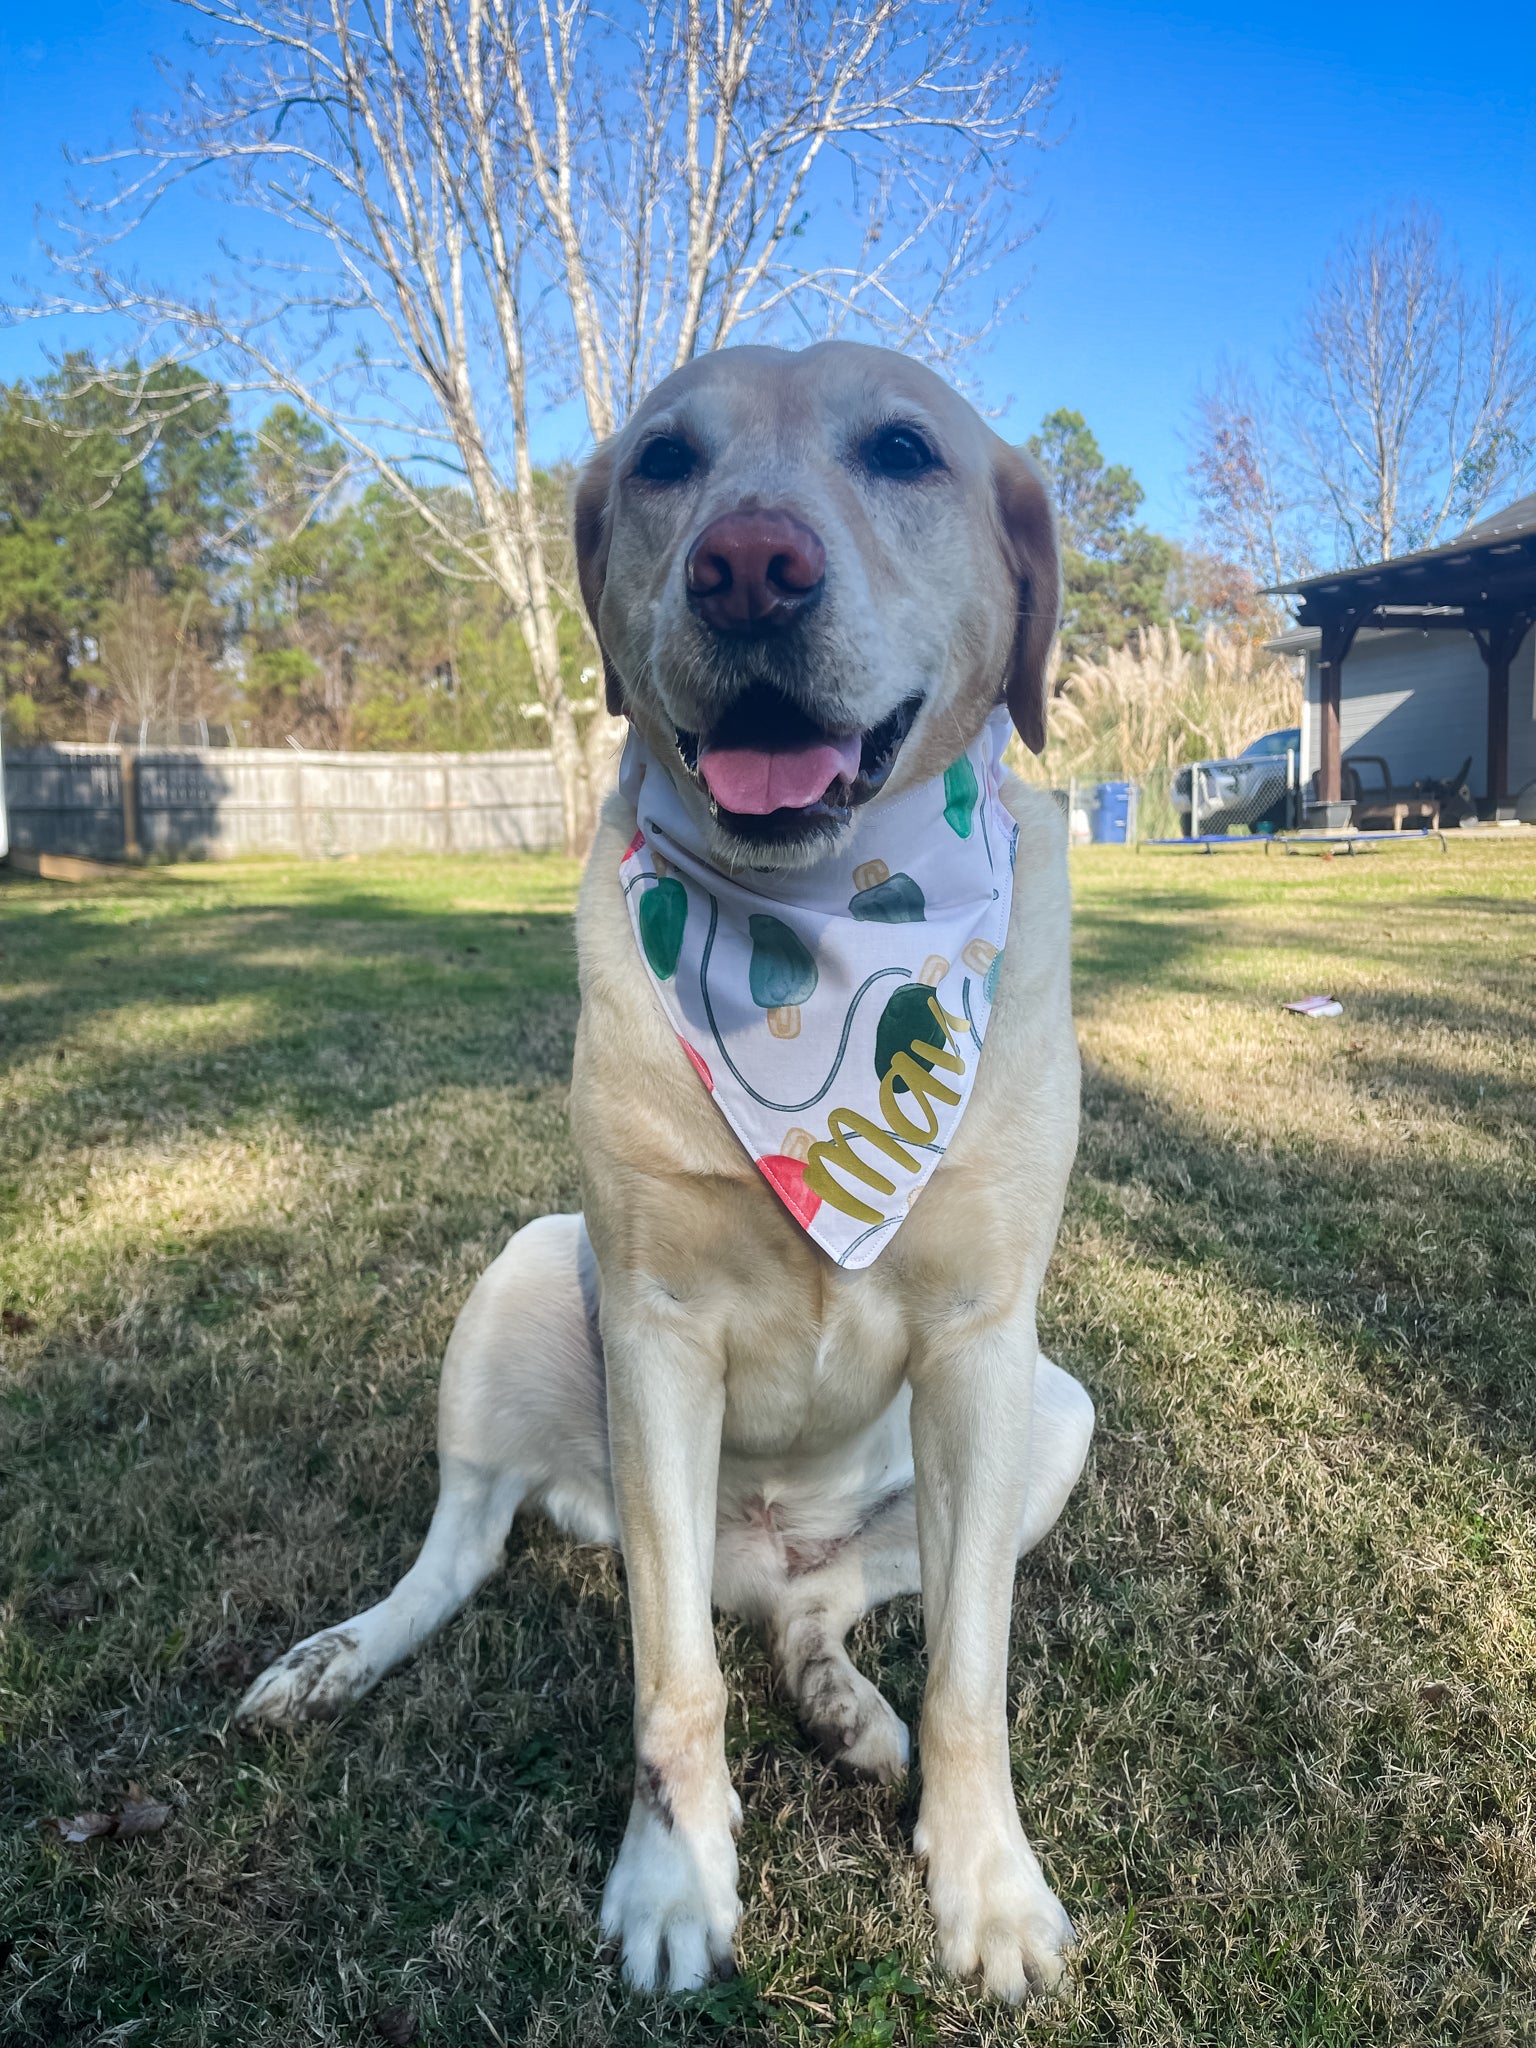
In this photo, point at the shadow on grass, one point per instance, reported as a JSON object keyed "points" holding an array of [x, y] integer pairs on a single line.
{"points": [[1140, 946], [461, 1817], [396, 1002], [1492, 906], [1342, 1234]]}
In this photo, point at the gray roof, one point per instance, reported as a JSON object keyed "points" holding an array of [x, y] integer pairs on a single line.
{"points": [[1299, 640], [1517, 518], [1510, 533]]}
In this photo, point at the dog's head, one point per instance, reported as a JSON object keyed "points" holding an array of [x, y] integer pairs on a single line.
{"points": [[812, 575]]}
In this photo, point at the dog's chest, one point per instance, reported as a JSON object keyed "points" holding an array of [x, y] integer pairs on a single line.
{"points": [[691, 1240], [809, 1365], [812, 1353]]}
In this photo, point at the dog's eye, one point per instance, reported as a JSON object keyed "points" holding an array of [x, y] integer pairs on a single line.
{"points": [[666, 460], [899, 451]]}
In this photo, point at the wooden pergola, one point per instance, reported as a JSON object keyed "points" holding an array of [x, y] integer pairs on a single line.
{"points": [[1483, 584]]}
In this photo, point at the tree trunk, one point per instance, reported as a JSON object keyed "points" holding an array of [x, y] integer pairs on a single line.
{"points": [[517, 556], [571, 772], [542, 638]]}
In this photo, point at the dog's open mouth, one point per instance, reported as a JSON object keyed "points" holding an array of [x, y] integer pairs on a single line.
{"points": [[772, 773]]}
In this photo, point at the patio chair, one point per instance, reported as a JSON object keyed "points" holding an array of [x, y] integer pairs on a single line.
{"points": [[1393, 806], [1383, 806]]}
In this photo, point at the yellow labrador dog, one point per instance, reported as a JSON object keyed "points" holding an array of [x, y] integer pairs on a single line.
{"points": [[820, 563]]}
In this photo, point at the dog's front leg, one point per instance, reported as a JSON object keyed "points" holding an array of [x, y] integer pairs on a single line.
{"points": [[972, 1403], [671, 1898]]}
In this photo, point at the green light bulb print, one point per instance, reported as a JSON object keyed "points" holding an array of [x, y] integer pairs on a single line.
{"points": [[960, 793], [905, 1022], [781, 975], [663, 915], [883, 898]]}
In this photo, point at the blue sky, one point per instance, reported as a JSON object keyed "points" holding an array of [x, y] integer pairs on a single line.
{"points": [[1206, 158]]}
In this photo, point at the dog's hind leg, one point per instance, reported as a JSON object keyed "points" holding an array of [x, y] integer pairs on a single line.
{"points": [[327, 1671], [829, 1585], [824, 1593], [520, 1418]]}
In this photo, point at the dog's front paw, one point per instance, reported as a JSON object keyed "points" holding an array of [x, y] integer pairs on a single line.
{"points": [[315, 1680], [670, 1901], [992, 1906]]}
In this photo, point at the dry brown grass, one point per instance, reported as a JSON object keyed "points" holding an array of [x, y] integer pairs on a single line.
{"points": [[1274, 1676]]}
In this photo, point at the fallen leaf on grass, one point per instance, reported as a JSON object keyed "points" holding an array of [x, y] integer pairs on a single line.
{"points": [[133, 1815], [14, 1323], [137, 1815], [397, 2026], [83, 1828]]}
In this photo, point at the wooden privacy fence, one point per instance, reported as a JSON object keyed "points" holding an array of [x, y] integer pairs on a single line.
{"points": [[215, 803]]}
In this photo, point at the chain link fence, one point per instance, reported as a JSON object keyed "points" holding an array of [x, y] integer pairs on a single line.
{"points": [[1105, 809], [1255, 794]]}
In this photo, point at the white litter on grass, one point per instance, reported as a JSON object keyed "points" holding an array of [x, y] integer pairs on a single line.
{"points": [[1316, 1006]]}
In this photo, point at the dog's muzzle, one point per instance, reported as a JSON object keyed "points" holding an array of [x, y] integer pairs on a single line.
{"points": [[774, 775]]}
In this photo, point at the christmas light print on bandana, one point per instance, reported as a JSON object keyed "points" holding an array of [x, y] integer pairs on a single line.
{"points": [[835, 1014]]}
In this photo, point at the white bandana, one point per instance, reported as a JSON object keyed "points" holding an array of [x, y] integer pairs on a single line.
{"points": [[835, 1013]]}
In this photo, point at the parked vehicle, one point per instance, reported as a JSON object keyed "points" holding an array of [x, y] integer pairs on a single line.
{"points": [[1255, 788]]}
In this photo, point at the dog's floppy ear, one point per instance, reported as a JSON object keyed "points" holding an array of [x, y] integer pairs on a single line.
{"points": [[593, 527], [1028, 523]]}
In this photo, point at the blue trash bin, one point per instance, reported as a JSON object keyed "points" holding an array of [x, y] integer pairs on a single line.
{"points": [[1113, 820]]}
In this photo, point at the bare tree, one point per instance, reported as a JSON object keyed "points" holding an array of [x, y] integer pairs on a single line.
{"points": [[146, 653], [1403, 409], [1412, 393], [477, 206], [1241, 488]]}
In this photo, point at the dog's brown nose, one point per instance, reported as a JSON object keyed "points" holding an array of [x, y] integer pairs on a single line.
{"points": [[748, 570]]}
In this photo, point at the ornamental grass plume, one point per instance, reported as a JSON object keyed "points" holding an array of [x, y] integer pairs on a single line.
{"points": [[1146, 708], [1238, 692]]}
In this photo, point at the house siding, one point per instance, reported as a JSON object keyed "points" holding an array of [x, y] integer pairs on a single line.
{"points": [[1421, 700]]}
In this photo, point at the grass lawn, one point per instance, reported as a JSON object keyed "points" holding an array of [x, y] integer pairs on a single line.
{"points": [[1274, 1675]]}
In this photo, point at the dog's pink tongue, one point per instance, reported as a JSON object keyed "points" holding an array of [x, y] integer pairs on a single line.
{"points": [[756, 780]]}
